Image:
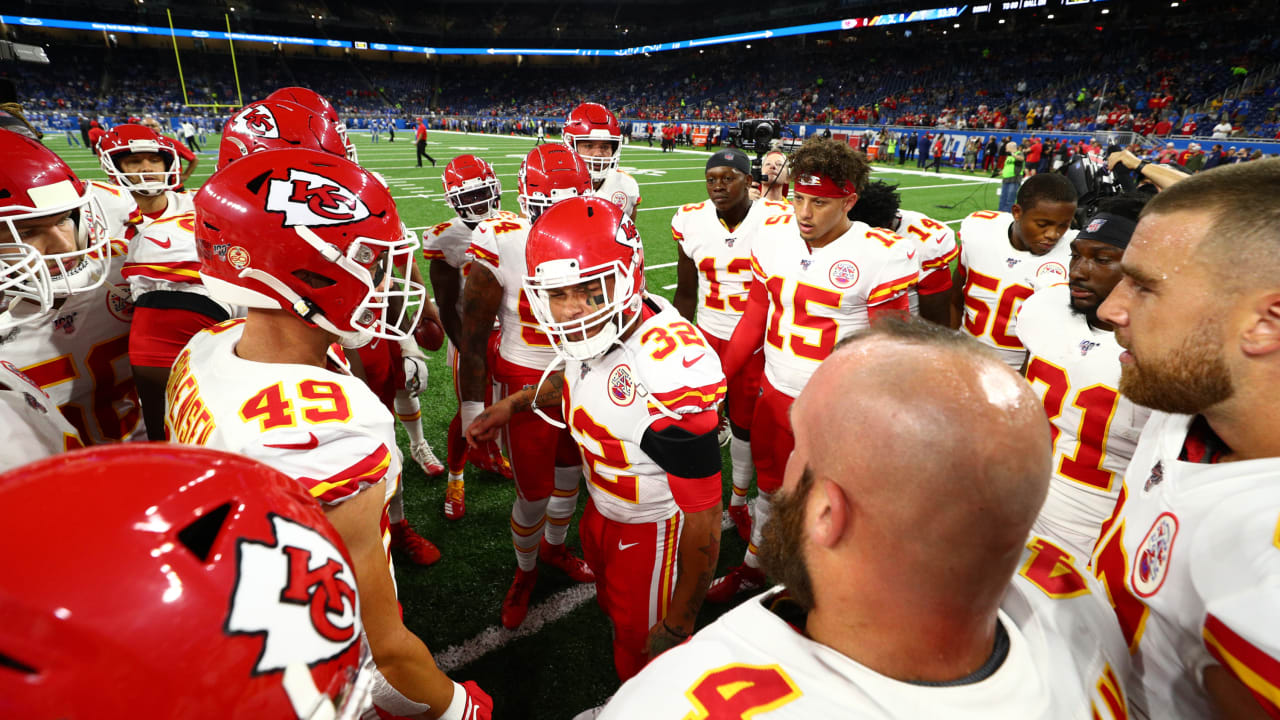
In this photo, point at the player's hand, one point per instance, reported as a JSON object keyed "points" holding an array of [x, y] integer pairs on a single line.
{"points": [[415, 374], [662, 638], [486, 425]]}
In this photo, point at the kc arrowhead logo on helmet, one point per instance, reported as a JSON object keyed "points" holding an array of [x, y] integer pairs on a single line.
{"points": [[257, 119], [308, 199], [298, 593]]}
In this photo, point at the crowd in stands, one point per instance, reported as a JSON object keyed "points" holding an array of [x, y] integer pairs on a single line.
{"points": [[1159, 82]]}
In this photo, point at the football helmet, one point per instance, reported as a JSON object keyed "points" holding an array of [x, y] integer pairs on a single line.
{"points": [[550, 173], [576, 241], [195, 555], [310, 232], [472, 189], [275, 124], [319, 104], [592, 121], [122, 140], [36, 188]]}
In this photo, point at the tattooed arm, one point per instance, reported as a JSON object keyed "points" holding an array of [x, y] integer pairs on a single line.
{"points": [[481, 297]]}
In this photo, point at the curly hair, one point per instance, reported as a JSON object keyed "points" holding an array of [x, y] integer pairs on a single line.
{"points": [[878, 205], [835, 159]]}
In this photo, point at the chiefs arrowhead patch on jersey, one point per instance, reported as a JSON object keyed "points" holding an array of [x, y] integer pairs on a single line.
{"points": [[299, 594], [309, 200], [257, 120]]}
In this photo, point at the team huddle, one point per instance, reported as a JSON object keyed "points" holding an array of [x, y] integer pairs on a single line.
{"points": [[1041, 484]]}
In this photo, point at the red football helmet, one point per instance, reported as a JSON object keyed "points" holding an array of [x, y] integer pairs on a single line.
{"points": [[36, 190], [276, 124], [212, 581], [123, 140], [574, 242], [550, 173], [316, 103], [472, 188], [592, 121], [313, 233]]}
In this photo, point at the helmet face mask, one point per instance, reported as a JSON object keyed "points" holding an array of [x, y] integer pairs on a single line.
{"points": [[591, 122], [126, 140], [585, 252], [472, 189], [31, 214]]}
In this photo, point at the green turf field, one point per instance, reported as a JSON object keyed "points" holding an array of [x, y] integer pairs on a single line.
{"points": [[559, 662]]}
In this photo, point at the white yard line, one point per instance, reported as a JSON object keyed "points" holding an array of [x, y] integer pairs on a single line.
{"points": [[544, 613]]}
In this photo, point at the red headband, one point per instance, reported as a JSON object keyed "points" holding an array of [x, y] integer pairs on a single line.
{"points": [[823, 186]]}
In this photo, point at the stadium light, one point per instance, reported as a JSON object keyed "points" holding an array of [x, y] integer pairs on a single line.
{"points": [[1049, 16], [1106, 11]]}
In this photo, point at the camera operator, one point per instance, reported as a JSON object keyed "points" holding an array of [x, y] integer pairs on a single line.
{"points": [[775, 178]]}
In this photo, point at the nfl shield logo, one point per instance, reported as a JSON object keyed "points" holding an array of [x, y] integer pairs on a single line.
{"points": [[1086, 346], [805, 263], [1012, 261], [730, 241], [1095, 225], [1157, 475]]}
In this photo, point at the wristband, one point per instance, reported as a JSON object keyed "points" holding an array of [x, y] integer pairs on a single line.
{"points": [[457, 706], [1141, 165], [470, 410]]}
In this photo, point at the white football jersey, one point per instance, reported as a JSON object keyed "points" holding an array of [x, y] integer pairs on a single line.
{"points": [[1000, 278], [620, 189], [1066, 660], [723, 258], [449, 241], [119, 208], [323, 427], [607, 406], [1190, 560], [498, 245], [1075, 369], [78, 352], [818, 296], [936, 250], [34, 428], [162, 256]]}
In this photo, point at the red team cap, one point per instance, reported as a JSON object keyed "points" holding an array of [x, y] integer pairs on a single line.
{"points": [[213, 587], [274, 125], [823, 186]]}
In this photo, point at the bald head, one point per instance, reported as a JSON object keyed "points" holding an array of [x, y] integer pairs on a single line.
{"points": [[941, 450]]}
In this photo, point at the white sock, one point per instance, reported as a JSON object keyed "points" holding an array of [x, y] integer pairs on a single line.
{"points": [[743, 469], [455, 477], [563, 502], [409, 412], [395, 509], [761, 513], [528, 519]]}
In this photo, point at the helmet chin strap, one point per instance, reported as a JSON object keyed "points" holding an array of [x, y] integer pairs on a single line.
{"points": [[545, 374], [304, 309]]}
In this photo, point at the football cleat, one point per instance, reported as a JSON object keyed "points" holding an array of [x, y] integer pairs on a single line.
{"points": [[741, 517], [426, 458], [740, 579], [516, 604], [558, 556], [455, 500], [491, 461], [419, 549]]}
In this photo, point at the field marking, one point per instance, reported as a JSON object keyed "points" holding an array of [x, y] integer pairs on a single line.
{"points": [[495, 637]]}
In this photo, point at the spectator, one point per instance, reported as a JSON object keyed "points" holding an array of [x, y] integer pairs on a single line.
{"points": [[1195, 159], [1214, 158], [189, 135], [1222, 130], [1009, 177], [1034, 152]]}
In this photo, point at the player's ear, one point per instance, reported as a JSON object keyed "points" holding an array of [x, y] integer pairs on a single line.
{"points": [[1261, 335], [832, 514]]}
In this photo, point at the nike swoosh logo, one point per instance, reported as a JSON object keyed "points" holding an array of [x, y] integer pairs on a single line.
{"points": [[311, 444], [164, 244], [690, 363], [628, 545], [911, 255]]}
